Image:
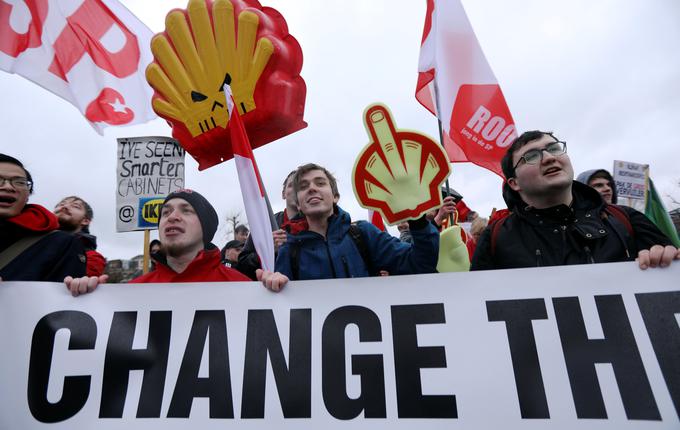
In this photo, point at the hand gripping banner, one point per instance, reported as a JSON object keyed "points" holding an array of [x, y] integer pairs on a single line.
{"points": [[400, 172], [234, 42]]}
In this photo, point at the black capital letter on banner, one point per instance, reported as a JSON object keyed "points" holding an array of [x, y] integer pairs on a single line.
{"points": [[658, 311], [409, 358], [217, 387], [293, 381], [618, 348], [121, 359], [369, 366], [517, 315], [76, 388]]}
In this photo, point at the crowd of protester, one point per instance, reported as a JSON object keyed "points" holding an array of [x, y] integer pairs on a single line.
{"points": [[550, 220]]}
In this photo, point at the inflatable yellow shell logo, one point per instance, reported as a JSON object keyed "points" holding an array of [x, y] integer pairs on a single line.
{"points": [[237, 42], [399, 173], [199, 68]]}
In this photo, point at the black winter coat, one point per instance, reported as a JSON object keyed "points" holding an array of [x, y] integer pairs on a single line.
{"points": [[52, 258], [561, 235]]}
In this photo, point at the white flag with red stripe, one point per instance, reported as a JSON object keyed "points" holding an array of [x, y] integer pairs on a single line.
{"points": [[251, 186], [375, 219], [92, 53], [455, 83]]}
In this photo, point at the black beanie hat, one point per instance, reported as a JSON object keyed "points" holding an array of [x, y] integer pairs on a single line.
{"points": [[206, 213]]}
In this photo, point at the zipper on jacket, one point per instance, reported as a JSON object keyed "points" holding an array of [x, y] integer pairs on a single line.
{"points": [[346, 266], [539, 257], [330, 259], [589, 255]]}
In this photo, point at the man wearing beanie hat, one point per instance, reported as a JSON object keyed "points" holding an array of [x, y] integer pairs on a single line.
{"points": [[187, 224]]}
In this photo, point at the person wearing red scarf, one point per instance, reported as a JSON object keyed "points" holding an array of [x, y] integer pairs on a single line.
{"points": [[31, 246], [289, 220]]}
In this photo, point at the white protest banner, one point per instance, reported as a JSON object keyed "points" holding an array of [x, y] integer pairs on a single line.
{"points": [[576, 347], [631, 180], [149, 168]]}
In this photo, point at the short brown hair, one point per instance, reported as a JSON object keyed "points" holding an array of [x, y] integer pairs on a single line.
{"points": [[305, 168]]}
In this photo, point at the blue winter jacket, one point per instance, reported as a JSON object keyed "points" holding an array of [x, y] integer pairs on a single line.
{"points": [[337, 256]]}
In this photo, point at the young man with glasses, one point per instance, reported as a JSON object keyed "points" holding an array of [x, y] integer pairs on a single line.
{"points": [[556, 221], [31, 246]]}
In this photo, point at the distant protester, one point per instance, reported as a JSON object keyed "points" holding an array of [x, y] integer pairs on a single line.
{"points": [[241, 233], [154, 248], [555, 220], [288, 220], [31, 246], [186, 228], [230, 252], [75, 216], [331, 246], [602, 181]]}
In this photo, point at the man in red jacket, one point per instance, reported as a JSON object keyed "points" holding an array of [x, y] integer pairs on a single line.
{"points": [[187, 224]]}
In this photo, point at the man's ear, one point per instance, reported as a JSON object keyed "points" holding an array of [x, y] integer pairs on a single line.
{"points": [[512, 183], [335, 199], [85, 222]]}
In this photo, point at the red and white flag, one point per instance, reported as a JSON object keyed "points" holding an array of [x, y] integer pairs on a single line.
{"points": [[252, 189], [91, 53], [375, 219], [455, 83]]}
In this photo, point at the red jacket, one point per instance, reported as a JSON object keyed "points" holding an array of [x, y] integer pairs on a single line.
{"points": [[206, 267]]}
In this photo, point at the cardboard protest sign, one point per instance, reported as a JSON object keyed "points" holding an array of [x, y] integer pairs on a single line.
{"points": [[631, 179], [400, 172], [233, 42], [577, 347], [631, 183], [149, 168]]}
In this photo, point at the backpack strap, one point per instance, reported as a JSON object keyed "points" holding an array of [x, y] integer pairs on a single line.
{"points": [[18, 247], [622, 216], [358, 239]]}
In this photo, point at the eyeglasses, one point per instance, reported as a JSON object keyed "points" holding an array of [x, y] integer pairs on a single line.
{"points": [[535, 156], [17, 182]]}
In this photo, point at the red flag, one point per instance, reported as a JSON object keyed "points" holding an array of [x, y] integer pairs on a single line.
{"points": [[375, 219], [251, 186], [455, 83], [92, 56]]}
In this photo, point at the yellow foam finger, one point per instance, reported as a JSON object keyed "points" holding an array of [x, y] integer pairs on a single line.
{"points": [[379, 123]]}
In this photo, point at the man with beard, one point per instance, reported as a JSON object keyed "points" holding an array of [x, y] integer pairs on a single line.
{"points": [[187, 224], [31, 246], [556, 221], [75, 215]]}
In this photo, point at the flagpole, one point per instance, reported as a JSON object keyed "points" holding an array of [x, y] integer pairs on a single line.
{"points": [[441, 138]]}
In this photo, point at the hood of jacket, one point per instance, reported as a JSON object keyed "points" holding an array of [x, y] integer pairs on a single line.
{"points": [[584, 178]]}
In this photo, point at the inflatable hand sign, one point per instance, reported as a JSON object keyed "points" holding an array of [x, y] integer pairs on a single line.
{"points": [[400, 172], [237, 42]]}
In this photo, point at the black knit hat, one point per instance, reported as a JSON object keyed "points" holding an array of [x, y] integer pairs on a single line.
{"points": [[204, 210]]}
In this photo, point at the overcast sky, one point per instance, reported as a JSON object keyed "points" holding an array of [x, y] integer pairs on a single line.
{"points": [[603, 75]]}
